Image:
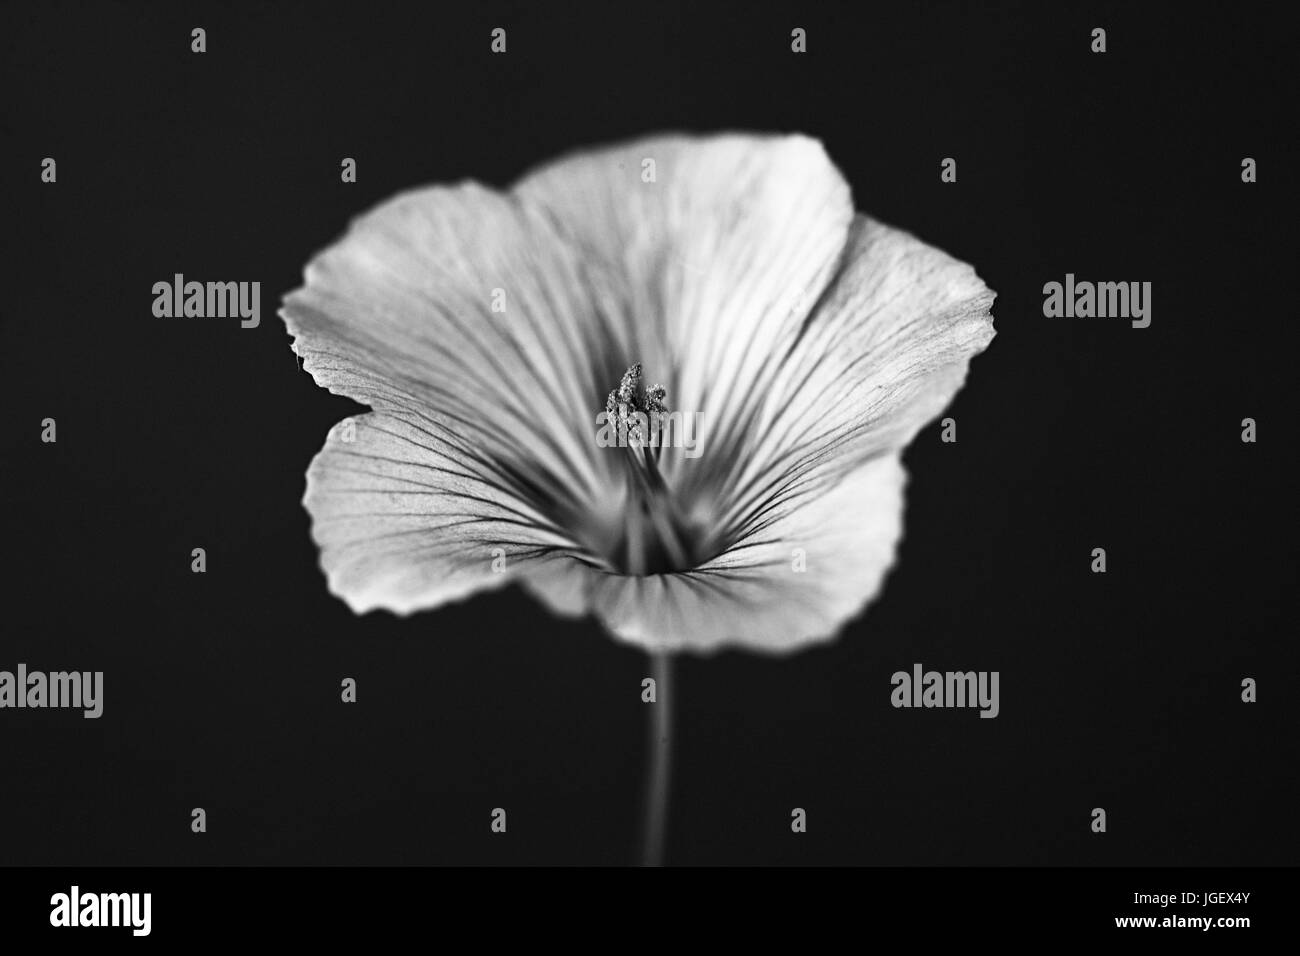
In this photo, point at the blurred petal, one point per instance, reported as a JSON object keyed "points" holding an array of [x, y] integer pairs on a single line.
{"points": [[752, 596]]}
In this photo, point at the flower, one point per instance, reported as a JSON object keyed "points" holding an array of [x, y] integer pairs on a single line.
{"points": [[486, 329]]}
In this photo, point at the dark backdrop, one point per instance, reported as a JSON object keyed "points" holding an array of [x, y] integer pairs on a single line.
{"points": [[222, 690]]}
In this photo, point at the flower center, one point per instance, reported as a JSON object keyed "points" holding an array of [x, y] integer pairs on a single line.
{"points": [[655, 536]]}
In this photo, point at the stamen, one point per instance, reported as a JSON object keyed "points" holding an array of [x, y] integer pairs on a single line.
{"points": [[654, 537]]}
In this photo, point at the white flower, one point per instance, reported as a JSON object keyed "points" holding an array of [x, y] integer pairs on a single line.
{"points": [[812, 343]]}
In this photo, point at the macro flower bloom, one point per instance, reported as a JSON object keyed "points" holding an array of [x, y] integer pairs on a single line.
{"points": [[486, 330]]}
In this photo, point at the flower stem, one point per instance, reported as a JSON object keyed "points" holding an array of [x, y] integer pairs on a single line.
{"points": [[659, 763]]}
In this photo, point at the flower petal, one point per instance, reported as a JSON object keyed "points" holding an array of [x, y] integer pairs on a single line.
{"points": [[719, 259], [884, 353], [399, 315], [405, 522], [793, 581]]}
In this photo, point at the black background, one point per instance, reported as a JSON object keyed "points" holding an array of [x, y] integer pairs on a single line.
{"points": [[222, 690]]}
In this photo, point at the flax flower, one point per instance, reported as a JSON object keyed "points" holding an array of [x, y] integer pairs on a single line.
{"points": [[486, 330]]}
